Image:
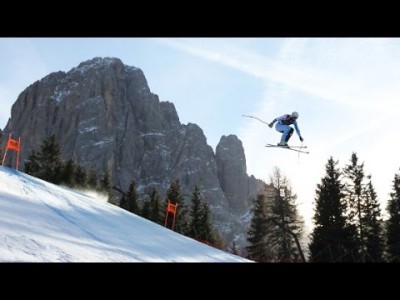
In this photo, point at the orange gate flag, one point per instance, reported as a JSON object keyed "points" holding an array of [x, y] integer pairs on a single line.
{"points": [[12, 145], [171, 208]]}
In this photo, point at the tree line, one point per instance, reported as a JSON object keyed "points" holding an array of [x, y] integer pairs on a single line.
{"points": [[276, 227], [195, 221], [348, 220], [348, 223]]}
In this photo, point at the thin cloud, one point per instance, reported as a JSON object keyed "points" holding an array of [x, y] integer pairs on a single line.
{"points": [[240, 59], [319, 76]]}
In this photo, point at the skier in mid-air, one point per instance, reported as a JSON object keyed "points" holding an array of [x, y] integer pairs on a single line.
{"points": [[283, 126]]}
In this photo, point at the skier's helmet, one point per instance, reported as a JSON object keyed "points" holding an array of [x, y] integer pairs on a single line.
{"points": [[295, 114]]}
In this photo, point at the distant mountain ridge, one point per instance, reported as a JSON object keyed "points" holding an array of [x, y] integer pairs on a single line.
{"points": [[104, 115]]}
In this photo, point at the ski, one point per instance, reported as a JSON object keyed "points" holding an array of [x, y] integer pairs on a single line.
{"points": [[271, 145], [289, 148]]}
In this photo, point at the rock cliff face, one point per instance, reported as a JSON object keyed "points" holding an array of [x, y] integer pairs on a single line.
{"points": [[232, 175], [103, 115]]}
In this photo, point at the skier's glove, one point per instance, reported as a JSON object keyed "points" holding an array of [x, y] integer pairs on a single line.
{"points": [[270, 124], [301, 139]]}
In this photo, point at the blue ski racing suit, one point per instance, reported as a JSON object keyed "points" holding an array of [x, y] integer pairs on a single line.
{"points": [[283, 126]]}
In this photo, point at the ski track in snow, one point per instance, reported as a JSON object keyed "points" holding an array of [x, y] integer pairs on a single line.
{"points": [[42, 222]]}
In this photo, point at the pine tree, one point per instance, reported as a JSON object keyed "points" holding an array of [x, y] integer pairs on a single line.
{"points": [[106, 186], [132, 198], [155, 209], [285, 225], [259, 249], [49, 159], [216, 240], [195, 214], [354, 173], [123, 203], [67, 175], [174, 195], [393, 223], [374, 242], [363, 212], [146, 210], [32, 165], [331, 238], [46, 164], [206, 230], [92, 179], [80, 176]]}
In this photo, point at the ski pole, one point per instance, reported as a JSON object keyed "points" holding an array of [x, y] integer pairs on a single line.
{"points": [[255, 118]]}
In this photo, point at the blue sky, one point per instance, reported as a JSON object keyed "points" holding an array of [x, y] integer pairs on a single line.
{"points": [[346, 90]]}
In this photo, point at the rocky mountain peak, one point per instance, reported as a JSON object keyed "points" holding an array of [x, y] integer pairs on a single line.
{"points": [[231, 164], [98, 63], [104, 116]]}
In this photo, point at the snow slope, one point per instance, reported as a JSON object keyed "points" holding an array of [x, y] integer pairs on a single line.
{"points": [[42, 222]]}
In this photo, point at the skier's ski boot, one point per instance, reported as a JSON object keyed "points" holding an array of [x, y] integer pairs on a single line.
{"points": [[283, 144]]}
